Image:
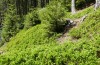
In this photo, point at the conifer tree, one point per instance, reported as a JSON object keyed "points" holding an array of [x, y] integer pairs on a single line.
{"points": [[10, 24]]}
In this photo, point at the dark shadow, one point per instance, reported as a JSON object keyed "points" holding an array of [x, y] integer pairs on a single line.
{"points": [[98, 54], [65, 27]]}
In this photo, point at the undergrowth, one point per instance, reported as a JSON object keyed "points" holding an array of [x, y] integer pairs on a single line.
{"points": [[37, 45]]}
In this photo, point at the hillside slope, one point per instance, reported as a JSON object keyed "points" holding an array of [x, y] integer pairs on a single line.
{"points": [[34, 47]]}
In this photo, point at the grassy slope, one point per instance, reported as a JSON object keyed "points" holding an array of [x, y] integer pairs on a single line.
{"points": [[33, 47], [80, 13], [36, 35], [90, 28]]}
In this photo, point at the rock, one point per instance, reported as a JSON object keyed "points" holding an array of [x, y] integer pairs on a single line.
{"points": [[68, 22]]}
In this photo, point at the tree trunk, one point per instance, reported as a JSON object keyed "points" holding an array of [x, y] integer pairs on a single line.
{"points": [[97, 4], [73, 7]]}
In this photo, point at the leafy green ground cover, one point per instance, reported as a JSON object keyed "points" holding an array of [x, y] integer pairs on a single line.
{"points": [[36, 46], [80, 13]]}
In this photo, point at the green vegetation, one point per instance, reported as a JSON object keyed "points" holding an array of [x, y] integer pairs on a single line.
{"points": [[52, 15], [37, 35], [31, 19], [80, 4], [89, 28], [33, 47], [80, 13], [31, 37], [10, 24], [48, 54]]}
